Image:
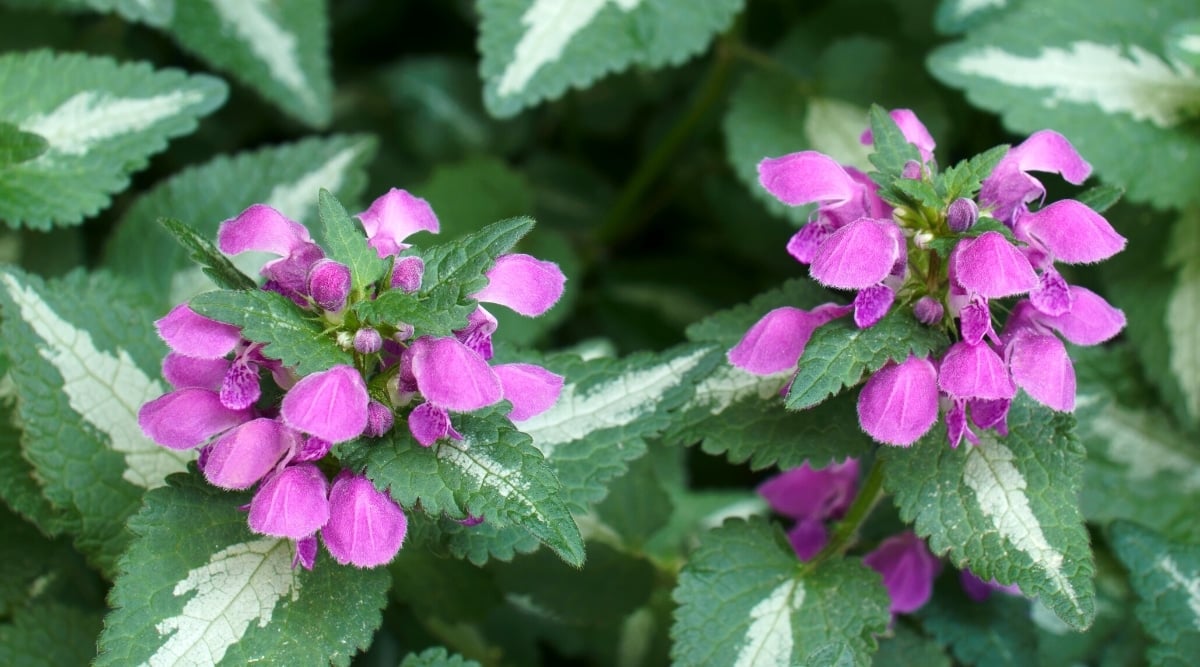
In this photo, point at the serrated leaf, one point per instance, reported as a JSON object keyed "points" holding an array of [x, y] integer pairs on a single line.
{"points": [[437, 586], [1007, 507], [102, 121], [485, 542], [27, 555], [493, 472], [892, 150], [19, 488], [345, 243], [744, 600], [197, 587], [1166, 576], [18, 146], [906, 648], [1100, 78], [50, 634], [919, 192], [286, 177], [215, 265], [436, 657], [839, 354], [1183, 311], [965, 178], [995, 632], [727, 327], [274, 319], [152, 12], [1101, 197], [81, 353], [534, 50]]}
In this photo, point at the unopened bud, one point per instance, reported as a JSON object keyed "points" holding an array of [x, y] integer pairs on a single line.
{"points": [[404, 331], [379, 419], [928, 310], [961, 214], [407, 273], [329, 284], [367, 341], [911, 170]]}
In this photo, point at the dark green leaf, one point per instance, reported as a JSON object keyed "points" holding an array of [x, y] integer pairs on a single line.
{"points": [[346, 243], [892, 150], [1166, 576], [18, 146], [216, 266], [436, 657], [1101, 197], [49, 634], [996, 632], [965, 178], [637, 505]]}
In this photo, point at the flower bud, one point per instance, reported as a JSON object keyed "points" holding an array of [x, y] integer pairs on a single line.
{"points": [[367, 341], [329, 284], [961, 214], [928, 310], [911, 170], [379, 419], [407, 273], [404, 331]]}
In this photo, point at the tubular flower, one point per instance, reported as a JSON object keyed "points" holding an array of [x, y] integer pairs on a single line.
{"points": [[946, 266], [280, 441]]}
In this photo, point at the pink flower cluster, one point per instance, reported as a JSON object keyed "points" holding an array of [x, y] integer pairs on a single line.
{"points": [[217, 403], [887, 256]]}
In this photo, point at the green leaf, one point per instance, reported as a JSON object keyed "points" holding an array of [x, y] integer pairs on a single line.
{"points": [[19, 487], [436, 657], [102, 121], [27, 555], [487, 541], [956, 16], [637, 505], [839, 354], [727, 327], [152, 12], [345, 243], [906, 648], [493, 472], [744, 599], [18, 146], [438, 586], [285, 177], [892, 150], [919, 192], [269, 317], [1166, 576], [215, 265], [1101, 197], [84, 359], [1100, 78], [965, 178], [996, 632], [1007, 507], [197, 587], [1183, 311], [49, 634], [533, 50]]}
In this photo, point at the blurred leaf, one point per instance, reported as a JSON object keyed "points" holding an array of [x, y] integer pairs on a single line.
{"points": [[1166, 577], [50, 634], [18, 146]]}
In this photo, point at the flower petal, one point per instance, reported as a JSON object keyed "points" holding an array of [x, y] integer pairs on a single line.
{"points": [[395, 216], [366, 528], [1072, 232], [974, 371], [908, 570], [1009, 186], [774, 344], [1090, 321], [246, 453], [807, 538], [194, 335], [806, 177], [452, 375], [187, 417], [428, 423], [1040, 366], [899, 403], [808, 493], [531, 389], [183, 371], [527, 285], [856, 256], [292, 503], [331, 405], [261, 228], [871, 304], [992, 267]]}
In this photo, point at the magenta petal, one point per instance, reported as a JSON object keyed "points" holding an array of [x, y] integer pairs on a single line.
{"points": [[182, 371], [956, 423], [427, 423], [928, 310], [974, 371], [380, 419], [477, 335], [975, 321], [452, 375], [1053, 295], [194, 335], [331, 405], [246, 453], [807, 538], [366, 527], [805, 493], [774, 344], [527, 285], [292, 503], [1072, 232], [899, 403], [261, 228], [306, 552], [856, 256], [871, 304], [806, 177], [408, 273], [395, 216], [1009, 186], [992, 267], [990, 413], [908, 570], [187, 418], [531, 389], [1090, 321], [1041, 367], [804, 243], [240, 388]]}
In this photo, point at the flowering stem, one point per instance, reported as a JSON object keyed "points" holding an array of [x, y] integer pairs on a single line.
{"points": [[846, 530]]}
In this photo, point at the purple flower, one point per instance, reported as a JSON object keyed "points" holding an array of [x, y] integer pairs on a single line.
{"points": [[775, 343], [329, 284], [899, 403], [331, 404], [908, 570], [292, 503], [246, 453], [429, 423], [530, 388], [811, 497], [527, 285], [395, 216], [188, 418], [979, 590], [1009, 187], [262, 228], [452, 375], [366, 527]]}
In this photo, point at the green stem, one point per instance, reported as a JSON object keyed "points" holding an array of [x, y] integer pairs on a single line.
{"points": [[846, 531]]}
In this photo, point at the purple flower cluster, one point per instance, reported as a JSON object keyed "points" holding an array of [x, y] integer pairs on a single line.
{"points": [[888, 257], [217, 402]]}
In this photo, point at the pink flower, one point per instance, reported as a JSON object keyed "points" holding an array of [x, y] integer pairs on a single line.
{"points": [[366, 527], [908, 570]]}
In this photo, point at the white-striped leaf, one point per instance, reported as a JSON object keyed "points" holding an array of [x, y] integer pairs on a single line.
{"points": [[198, 588], [744, 600], [1166, 576], [955, 16], [1008, 508], [1183, 311], [1096, 71], [286, 177], [101, 121], [84, 360], [534, 50]]}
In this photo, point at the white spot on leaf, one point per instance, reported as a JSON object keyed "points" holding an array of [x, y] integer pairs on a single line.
{"points": [[835, 128], [105, 390], [90, 117], [239, 585], [1189, 585], [1183, 310], [729, 384], [549, 27], [1000, 490], [615, 403], [1141, 442], [965, 8], [253, 23], [1115, 79], [506, 482], [769, 641]]}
